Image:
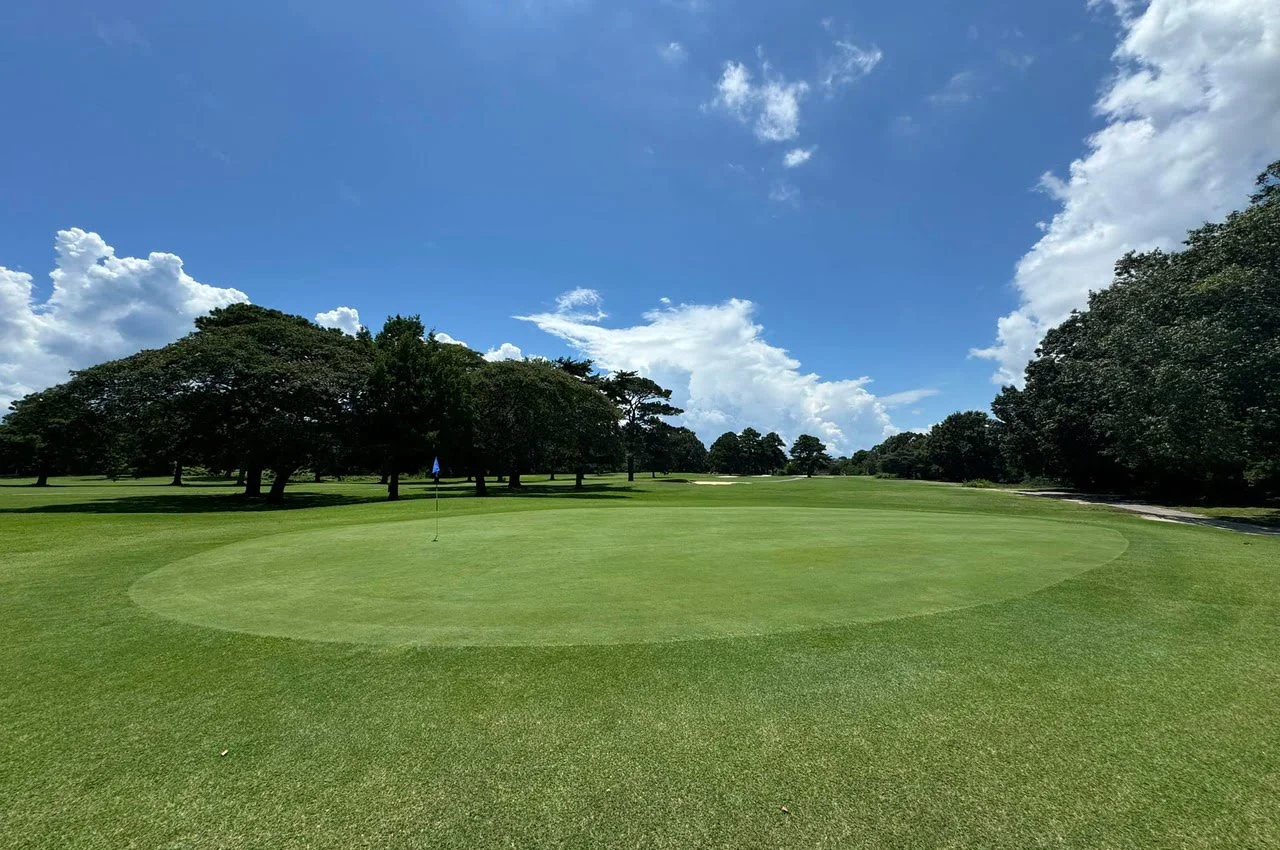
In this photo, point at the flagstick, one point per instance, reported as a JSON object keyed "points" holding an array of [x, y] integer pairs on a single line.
{"points": [[436, 539]]}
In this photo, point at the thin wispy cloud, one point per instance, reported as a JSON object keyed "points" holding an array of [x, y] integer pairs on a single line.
{"points": [[673, 53], [960, 89]]}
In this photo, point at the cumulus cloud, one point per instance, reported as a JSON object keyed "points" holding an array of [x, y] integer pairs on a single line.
{"points": [[849, 63], [725, 375], [1193, 113], [102, 307], [772, 107], [345, 319], [673, 53], [506, 351], [797, 157], [441, 336]]}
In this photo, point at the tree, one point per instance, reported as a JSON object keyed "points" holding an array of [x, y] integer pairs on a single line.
{"points": [[962, 447], [773, 453], [395, 407], [641, 404], [809, 453], [53, 431], [275, 387], [525, 411], [752, 452], [725, 456], [1170, 381], [688, 454]]}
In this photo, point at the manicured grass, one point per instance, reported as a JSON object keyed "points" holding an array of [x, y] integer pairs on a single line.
{"points": [[1130, 702], [601, 575]]}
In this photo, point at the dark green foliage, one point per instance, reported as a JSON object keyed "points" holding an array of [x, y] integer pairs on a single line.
{"points": [[809, 454], [642, 404], [963, 447], [1170, 382]]}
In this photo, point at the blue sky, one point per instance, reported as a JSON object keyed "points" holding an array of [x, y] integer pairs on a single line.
{"points": [[471, 161]]}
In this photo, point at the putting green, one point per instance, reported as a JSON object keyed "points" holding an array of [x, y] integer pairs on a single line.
{"points": [[605, 575]]}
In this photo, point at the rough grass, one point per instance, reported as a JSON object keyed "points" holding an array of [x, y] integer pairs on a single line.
{"points": [[1133, 705]]}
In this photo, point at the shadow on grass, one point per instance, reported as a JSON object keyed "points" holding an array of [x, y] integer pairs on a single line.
{"points": [[183, 501]]}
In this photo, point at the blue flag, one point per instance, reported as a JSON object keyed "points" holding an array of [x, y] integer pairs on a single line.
{"points": [[435, 467]]}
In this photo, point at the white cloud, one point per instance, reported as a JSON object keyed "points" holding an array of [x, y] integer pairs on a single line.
{"points": [[506, 351], [443, 337], [772, 107], [959, 90], [345, 319], [726, 376], [798, 156], [102, 307], [1193, 113], [673, 53], [583, 304], [849, 63]]}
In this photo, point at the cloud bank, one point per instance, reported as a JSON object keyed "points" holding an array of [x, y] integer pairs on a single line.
{"points": [[1193, 113], [726, 376], [345, 319], [102, 307]]}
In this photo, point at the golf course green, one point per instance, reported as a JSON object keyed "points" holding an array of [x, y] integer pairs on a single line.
{"points": [[825, 663], [578, 576]]}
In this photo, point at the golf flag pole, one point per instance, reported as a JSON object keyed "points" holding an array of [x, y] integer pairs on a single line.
{"points": [[435, 473]]}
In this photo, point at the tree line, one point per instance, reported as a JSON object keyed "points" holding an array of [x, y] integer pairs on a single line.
{"points": [[269, 395], [1167, 384]]}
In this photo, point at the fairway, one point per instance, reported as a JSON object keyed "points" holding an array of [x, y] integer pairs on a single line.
{"points": [[825, 663], [595, 576]]}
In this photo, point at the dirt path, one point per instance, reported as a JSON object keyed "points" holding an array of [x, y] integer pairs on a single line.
{"points": [[1154, 512]]}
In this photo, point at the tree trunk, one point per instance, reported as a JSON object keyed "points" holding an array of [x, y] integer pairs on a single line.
{"points": [[809, 474], [631, 467], [393, 488], [42, 480], [514, 482], [481, 488], [177, 474], [276, 494], [653, 473], [577, 479], [385, 480], [501, 478], [240, 477], [253, 482], [553, 477], [469, 477], [319, 478]]}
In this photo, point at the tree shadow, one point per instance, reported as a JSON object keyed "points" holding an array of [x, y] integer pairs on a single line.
{"points": [[183, 501]]}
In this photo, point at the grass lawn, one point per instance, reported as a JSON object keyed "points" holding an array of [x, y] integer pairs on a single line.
{"points": [[772, 663]]}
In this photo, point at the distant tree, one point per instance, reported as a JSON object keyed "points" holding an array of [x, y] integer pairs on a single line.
{"points": [[53, 431], [752, 452], [902, 455], [809, 453], [641, 404], [688, 454], [963, 447], [773, 453], [725, 456]]}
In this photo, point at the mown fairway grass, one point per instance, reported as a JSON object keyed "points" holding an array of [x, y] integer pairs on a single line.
{"points": [[1120, 689]]}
